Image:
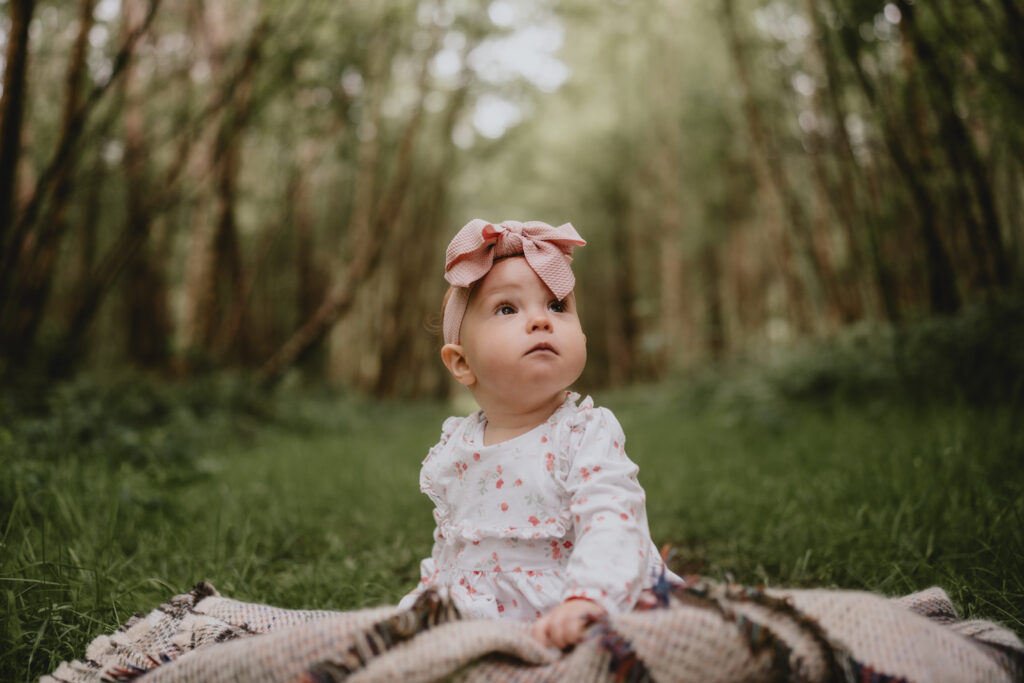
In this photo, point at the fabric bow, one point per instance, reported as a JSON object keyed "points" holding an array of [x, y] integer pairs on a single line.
{"points": [[475, 247]]}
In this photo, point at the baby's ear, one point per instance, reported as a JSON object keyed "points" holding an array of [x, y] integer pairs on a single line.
{"points": [[454, 359]]}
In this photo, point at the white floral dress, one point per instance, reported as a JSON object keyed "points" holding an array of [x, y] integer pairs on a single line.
{"points": [[553, 514]]}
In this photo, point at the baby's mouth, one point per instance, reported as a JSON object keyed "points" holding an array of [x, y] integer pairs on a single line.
{"points": [[543, 346]]}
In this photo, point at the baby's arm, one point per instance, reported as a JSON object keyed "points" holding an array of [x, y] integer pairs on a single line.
{"points": [[610, 560], [428, 567], [607, 565], [564, 625], [428, 571]]}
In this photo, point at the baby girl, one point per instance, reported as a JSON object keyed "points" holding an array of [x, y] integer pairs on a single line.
{"points": [[539, 513]]}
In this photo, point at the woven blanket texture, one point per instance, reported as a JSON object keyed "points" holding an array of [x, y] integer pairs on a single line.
{"points": [[701, 631]]}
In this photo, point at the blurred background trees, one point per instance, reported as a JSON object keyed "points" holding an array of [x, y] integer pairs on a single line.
{"points": [[267, 187]]}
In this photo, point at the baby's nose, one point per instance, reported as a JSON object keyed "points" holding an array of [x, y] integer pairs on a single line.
{"points": [[540, 321]]}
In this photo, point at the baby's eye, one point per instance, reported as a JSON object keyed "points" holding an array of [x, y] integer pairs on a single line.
{"points": [[557, 306], [505, 309]]}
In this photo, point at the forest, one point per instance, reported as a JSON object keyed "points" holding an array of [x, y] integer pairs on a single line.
{"points": [[264, 187], [222, 237]]}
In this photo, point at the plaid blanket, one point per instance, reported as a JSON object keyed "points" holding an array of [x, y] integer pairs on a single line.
{"points": [[700, 630]]}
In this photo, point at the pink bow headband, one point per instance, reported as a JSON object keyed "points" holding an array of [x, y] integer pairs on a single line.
{"points": [[474, 249]]}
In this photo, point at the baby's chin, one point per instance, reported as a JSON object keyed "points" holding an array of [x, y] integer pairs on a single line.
{"points": [[524, 396]]}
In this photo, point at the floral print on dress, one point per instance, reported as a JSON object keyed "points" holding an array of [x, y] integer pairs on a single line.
{"points": [[552, 514]]}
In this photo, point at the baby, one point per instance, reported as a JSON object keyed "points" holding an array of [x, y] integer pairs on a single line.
{"points": [[539, 514]]}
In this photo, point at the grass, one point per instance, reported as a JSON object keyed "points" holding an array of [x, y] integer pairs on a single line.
{"points": [[318, 511], [884, 497], [116, 495]]}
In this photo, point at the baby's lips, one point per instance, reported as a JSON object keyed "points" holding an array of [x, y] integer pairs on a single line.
{"points": [[543, 346]]}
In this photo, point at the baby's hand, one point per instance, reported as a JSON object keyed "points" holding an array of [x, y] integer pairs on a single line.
{"points": [[563, 626]]}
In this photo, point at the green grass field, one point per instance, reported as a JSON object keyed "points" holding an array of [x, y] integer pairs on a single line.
{"points": [[116, 496]]}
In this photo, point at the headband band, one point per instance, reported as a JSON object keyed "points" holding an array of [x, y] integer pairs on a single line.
{"points": [[473, 250]]}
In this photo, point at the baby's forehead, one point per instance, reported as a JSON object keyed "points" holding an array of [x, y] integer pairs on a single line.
{"points": [[511, 273]]}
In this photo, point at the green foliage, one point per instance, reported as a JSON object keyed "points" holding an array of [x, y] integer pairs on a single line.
{"points": [[978, 355], [820, 470], [976, 358]]}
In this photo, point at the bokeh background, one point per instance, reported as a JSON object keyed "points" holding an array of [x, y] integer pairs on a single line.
{"points": [[268, 186], [222, 229]]}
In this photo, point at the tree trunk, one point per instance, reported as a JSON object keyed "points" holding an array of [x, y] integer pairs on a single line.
{"points": [[231, 337], [851, 176], [411, 266], [714, 317], [1014, 30], [840, 193], [403, 332], [63, 155], [88, 300], [89, 296], [670, 261], [217, 323], [38, 247], [623, 326], [941, 280], [12, 108], [310, 275], [963, 157], [85, 249], [774, 173], [365, 254], [145, 282]]}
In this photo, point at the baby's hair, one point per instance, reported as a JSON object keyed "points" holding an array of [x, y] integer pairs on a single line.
{"points": [[435, 325], [444, 301]]}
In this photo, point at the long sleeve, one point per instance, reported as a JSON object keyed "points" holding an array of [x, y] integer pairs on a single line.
{"points": [[428, 570], [611, 558], [428, 566]]}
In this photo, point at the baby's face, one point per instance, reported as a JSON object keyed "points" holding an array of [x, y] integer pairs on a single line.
{"points": [[521, 342]]}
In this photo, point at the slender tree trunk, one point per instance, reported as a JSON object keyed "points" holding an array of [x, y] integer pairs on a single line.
{"points": [[33, 274], [201, 264], [232, 334], [89, 296], [88, 300], [958, 215], [86, 247], [850, 306], [851, 176], [1015, 29], [746, 274], [714, 316], [356, 230], [144, 286], [942, 292], [403, 330], [774, 172], [63, 156], [841, 193], [410, 266], [623, 326], [217, 324], [364, 259], [1015, 210], [670, 261], [12, 107], [311, 278], [961, 151]]}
